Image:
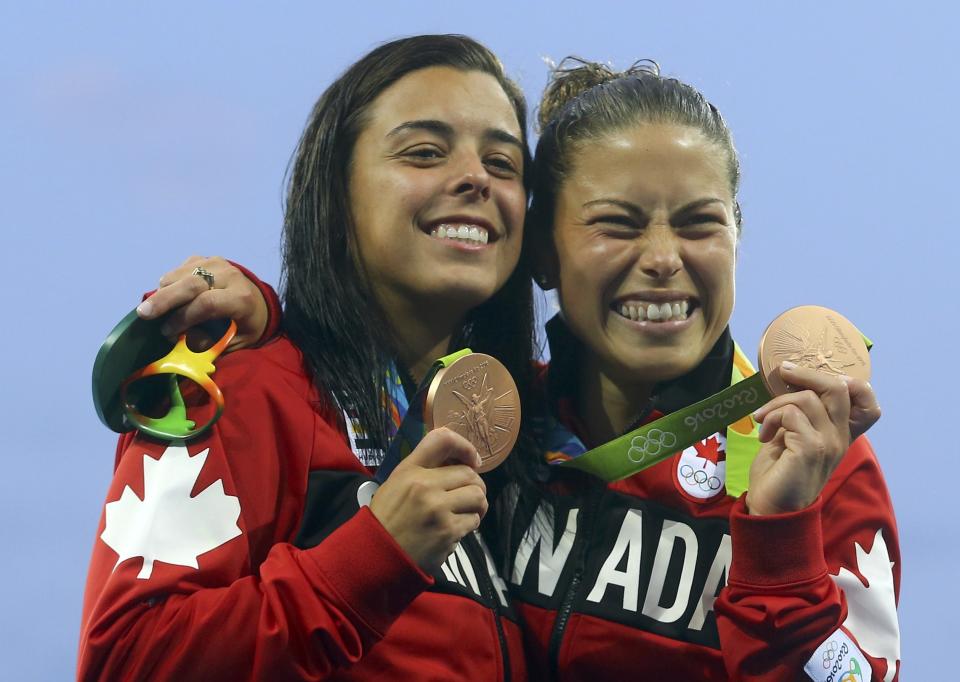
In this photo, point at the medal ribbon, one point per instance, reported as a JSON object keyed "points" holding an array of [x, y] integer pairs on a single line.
{"points": [[662, 438], [412, 428]]}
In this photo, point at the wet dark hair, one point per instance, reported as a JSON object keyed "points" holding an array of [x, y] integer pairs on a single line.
{"points": [[330, 311], [586, 100]]}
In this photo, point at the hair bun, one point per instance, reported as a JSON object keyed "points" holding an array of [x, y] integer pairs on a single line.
{"points": [[574, 76]]}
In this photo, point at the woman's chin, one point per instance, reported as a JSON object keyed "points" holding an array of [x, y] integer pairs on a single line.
{"points": [[458, 294], [651, 366]]}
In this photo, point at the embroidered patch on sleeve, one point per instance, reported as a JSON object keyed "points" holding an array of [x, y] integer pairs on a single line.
{"points": [[168, 525], [838, 660], [872, 603]]}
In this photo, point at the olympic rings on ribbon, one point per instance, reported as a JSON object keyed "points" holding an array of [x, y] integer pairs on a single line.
{"points": [[650, 444]]}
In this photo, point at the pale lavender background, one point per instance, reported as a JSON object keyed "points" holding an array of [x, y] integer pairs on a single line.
{"points": [[133, 137]]}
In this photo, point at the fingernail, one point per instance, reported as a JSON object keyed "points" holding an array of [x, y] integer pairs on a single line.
{"points": [[145, 309], [786, 364], [756, 415]]}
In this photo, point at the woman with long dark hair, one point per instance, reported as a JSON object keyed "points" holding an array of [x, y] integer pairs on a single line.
{"points": [[256, 551]]}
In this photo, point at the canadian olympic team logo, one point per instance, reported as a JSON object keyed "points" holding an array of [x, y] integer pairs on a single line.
{"points": [[702, 468], [649, 445]]}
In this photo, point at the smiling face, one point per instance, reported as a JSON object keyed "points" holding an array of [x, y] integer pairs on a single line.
{"points": [[436, 192], [644, 250]]}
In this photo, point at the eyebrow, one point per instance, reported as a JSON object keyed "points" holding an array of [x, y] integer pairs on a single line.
{"points": [[633, 208], [625, 205], [503, 136], [446, 130], [430, 126], [699, 203]]}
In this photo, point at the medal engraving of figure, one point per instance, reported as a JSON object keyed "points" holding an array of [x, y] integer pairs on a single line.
{"points": [[476, 397]]}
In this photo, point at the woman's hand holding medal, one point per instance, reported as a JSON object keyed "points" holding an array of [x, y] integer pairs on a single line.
{"points": [[805, 433], [433, 498]]}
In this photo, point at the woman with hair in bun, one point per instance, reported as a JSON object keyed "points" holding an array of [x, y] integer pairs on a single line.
{"points": [[665, 574], [786, 569], [254, 551]]}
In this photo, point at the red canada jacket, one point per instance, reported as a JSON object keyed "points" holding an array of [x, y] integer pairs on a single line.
{"points": [[247, 555], [663, 576]]}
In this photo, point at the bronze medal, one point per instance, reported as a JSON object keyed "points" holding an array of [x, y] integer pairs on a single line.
{"points": [[815, 337], [476, 397]]}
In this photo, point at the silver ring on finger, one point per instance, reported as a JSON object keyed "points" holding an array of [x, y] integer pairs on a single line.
{"points": [[205, 275]]}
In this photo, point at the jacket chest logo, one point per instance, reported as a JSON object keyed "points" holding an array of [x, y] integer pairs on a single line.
{"points": [[646, 567], [701, 469]]}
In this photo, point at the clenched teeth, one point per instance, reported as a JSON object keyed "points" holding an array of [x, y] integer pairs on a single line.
{"points": [[655, 312], [470, 234]]}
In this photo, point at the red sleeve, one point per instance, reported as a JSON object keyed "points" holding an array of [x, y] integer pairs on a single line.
{"points": [[813, 594], [192, 574], [274, 311]]}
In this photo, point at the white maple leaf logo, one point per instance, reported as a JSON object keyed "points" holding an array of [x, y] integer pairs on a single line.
{"points": [[872, 608], [167, 524]]}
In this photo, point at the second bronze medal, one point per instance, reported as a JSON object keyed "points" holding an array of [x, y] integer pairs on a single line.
{"points": [[815, 337]]}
